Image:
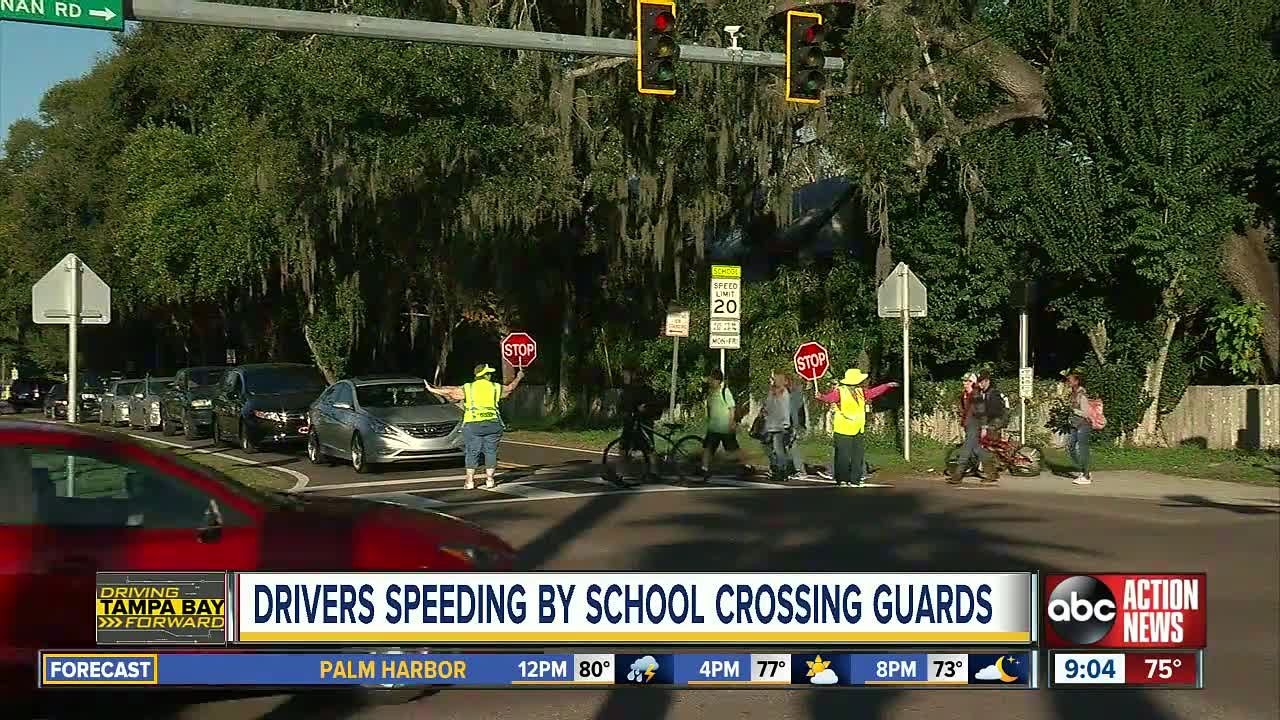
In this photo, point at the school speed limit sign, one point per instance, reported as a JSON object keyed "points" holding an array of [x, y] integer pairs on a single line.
{"points": [[726, 306]]}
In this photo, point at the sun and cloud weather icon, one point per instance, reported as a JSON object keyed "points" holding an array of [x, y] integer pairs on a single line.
{"points": [[1006, 669], [820, 672], [642, 670]]}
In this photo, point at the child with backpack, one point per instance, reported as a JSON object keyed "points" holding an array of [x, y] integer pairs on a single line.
{"points": [[1086, 416]]}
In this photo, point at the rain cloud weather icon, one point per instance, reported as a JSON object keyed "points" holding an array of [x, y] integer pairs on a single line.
{"points": [[642, 670]]}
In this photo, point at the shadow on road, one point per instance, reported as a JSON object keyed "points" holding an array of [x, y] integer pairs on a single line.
{"points": [[1197, 501]]}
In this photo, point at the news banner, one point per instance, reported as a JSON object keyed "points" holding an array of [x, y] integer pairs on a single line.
{"points": [[694, 630]]}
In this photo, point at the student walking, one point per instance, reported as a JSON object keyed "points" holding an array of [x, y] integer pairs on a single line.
{"points": [[482, 424], [984, 410], [1081, 429], [777, 426], [722, 423], [850, 401]]}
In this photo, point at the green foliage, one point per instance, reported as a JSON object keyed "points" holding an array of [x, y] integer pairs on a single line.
{"points": [[1237, 333]]}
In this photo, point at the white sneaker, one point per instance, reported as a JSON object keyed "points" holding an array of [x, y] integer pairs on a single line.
{"points": [[825, 475], [469, 485], [1082, 480], [798, 476], [488, 483]]}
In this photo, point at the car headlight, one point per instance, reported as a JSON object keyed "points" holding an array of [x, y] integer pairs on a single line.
{"points": [[268, 415], [89, 396], [383, 428], [59, 402], [201, 403], [480, 558]]}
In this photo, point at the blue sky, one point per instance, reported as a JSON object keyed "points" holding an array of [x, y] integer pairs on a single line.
{"points": [[34, 58]]}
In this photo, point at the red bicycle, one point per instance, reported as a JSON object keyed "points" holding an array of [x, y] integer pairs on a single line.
{"points": [[1014, 457]]}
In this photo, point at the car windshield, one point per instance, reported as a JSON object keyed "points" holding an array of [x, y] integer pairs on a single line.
{"points": [[128, 388], [265, 381], [204, 376], [158, 384], [386, 395]]}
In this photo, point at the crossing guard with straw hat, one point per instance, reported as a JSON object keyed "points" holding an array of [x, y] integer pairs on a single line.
{"points": [[482, 424], [849, 400]]}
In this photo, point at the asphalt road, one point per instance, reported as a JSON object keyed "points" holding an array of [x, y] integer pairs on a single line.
{"points": [[914, 525]]}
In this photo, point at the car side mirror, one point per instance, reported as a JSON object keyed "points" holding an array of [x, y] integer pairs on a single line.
{"points": [[211, 531], [138, 395], [342, 406]]}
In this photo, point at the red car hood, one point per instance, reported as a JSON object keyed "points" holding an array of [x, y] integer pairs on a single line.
{"points": [[339, 533]]}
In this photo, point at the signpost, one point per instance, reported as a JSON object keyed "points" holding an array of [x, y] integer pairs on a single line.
{"points": [[902, 295], [726, 309], [1022, 295], [676, 327], [92, 14], [812, 362], [519, 349], [71, 294]]}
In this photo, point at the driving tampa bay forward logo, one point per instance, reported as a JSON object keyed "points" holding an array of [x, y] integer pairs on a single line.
{"points": [[1082, 610]]}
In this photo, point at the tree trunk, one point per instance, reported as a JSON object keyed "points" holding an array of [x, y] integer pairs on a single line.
{"points": [[1148, 429], [1098, 341], [564, 399], [446, 347], [325, 368], [1256, 277]]}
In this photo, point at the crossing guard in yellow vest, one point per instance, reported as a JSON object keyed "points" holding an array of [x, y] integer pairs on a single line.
{"points": [[481, 420], [850, 403]]}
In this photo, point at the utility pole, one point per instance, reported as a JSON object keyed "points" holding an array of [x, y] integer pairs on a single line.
{"points": [[247, 17]]}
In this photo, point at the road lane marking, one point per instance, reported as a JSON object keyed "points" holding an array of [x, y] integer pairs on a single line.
{"points": [[386, 483], [638, 490], [414, 501], [551, 447], [529, 491]]}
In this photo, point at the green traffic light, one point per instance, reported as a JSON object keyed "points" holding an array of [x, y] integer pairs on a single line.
{"points": [[663, 72]]}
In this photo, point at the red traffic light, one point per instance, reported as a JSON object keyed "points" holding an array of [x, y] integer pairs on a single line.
{"points": [[813, 34], [664, 22]]}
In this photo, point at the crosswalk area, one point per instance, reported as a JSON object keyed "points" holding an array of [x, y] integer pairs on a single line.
{"points": [[543, 484]]}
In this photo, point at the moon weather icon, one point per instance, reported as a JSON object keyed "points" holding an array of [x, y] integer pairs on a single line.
{"points": [[1004, 675]]}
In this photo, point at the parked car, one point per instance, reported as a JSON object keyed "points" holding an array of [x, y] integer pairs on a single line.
{"points": [[89, 392], [265, 404], [28, 393], [188, 406], [115, 401], [134, 507], [144, 407], [372, 421]]}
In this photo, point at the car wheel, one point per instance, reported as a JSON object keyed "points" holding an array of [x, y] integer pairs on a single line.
{"points": [[358, 461], [188, 430], [245, 443], [314, 453], [166, 427]]}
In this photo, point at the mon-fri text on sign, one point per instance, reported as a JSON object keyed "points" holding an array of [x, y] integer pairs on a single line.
{"points": [[93, 14], [726, 306]]}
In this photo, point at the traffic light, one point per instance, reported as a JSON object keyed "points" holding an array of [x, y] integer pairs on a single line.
{"points": [[656, 47], [805, 60]]}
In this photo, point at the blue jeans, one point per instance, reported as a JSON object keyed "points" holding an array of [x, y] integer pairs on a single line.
{"points": [[481, 439], [1078, 444], [778, 446]]}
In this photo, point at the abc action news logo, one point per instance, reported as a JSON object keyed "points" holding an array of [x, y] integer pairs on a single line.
{"points": [[1125, 611]]}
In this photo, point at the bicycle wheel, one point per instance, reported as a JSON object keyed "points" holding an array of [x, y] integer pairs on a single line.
{"points": [[1025, 462], [686, 458], [624, 469]]}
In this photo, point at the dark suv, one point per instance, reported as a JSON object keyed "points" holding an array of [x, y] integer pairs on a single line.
{"points": [[189, 405], [30, 393], [265, 404]]}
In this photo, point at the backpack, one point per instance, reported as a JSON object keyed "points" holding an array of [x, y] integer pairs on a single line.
{"points": [[1097, 418], [802, 417]]}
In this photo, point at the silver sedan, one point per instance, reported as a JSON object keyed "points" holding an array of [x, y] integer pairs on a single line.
{"points": [[375, 420], [115, 402]]}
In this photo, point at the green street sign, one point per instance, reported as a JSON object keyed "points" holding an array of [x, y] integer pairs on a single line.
{"points": [[95, 14]]}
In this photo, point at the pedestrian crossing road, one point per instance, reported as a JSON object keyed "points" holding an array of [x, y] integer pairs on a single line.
{"points": [[541, 484]]}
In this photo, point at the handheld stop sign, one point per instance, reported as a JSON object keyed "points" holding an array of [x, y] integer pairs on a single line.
{"points": [[519, 349], [812, 361]]}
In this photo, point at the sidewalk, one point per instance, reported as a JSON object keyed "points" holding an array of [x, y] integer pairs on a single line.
{"points": [[1141, 485]]}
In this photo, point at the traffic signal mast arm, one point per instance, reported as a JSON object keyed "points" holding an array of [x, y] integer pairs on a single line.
{"points": [[189, 12]]}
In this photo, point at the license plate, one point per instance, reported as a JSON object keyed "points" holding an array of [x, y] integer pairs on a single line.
{"points": [[303, 430]]}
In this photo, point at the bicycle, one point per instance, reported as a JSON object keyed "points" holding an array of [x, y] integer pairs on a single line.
{"points": [[664, 456], [1006, 450]]}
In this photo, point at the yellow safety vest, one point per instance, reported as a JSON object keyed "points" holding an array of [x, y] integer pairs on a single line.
{"points": [[851, 413], [481, 401]]}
